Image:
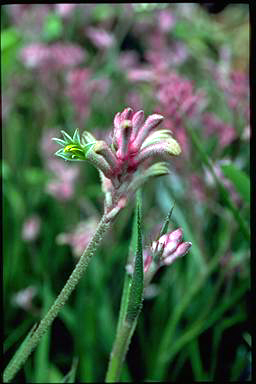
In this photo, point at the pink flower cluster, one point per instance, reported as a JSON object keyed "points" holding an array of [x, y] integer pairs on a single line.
{"points": [[212, 125]]}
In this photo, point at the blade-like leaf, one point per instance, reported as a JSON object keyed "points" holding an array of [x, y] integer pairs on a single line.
{"points": [[137, 284], [70, 376], [164, 228], [240, 180]]}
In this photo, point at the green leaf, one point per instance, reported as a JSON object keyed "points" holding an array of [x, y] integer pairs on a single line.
{"points": [[240, 180], [9, 37], [166, 222], [71, 375], [137, 284], [53, 27]]}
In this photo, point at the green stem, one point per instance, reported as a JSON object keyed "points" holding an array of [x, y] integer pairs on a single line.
{"points": [[119, 350], [19, 359]]}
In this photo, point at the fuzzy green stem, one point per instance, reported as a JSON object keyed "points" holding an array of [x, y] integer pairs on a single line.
{"points": [[119, 350], [19, 359]]}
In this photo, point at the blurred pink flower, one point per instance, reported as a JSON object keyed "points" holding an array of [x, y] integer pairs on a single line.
{"points": [[47, 146], [24, 298], [79, 238], [64, 176], [166, 20], [56, 56], [65, 10], [101, 38], [214, 126], [235, 85], [81, 88], [128, 60], [35, 55], [197, 187], [177, 97], [31, 228], [29, 18], [227, 183]]}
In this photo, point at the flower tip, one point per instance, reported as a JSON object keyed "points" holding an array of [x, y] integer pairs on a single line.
{"points": [[173, 147], [176, 235]]}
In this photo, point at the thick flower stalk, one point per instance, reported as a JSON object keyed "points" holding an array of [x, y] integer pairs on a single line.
{"points": [[137, 152]]}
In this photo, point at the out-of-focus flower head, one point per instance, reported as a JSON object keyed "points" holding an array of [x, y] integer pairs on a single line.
{"points": [[56, 56], [166, 20], [79, 92], [80, 237], [132, 157], [226, 133], [227, 183], [235, 85], [65, 10], [61, 186], [47, 145], [128, 59], [31, 228], [29, 18], [101, 38], [23, 298], [178, 97], [81, 88]]}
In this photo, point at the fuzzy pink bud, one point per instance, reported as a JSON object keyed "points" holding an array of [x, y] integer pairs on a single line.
{"points": [[180, 251]]}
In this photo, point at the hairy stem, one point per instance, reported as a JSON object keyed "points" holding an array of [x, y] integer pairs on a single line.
{"points": [[19, 359], [119, 350]]}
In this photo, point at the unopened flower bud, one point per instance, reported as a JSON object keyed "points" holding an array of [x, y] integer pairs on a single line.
{"points": [[180, 251]]}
